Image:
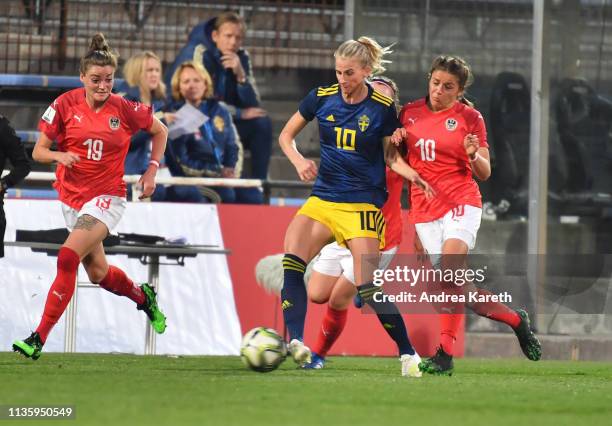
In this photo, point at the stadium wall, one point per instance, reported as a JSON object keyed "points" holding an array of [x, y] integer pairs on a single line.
{"points": [[210, 302]]}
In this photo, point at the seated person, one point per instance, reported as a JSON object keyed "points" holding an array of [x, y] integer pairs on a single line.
{"points": [[210, 152], [142, 82], [217, 44]]}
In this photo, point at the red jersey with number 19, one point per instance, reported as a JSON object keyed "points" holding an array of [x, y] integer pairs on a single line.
{"points": [[436, 152], [101, 140]]}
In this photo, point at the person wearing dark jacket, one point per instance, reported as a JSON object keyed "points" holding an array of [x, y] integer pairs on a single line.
{"points": [[217, 45], [11, 149], [212, 151]]}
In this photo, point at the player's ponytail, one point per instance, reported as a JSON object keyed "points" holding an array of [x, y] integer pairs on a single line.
{"points": [[99, 54], [367, 51], [459, 68]]}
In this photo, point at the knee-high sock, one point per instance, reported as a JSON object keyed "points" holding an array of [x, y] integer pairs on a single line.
{"points": [[449, 326], [450, 313], [389, 317], [293, 296], [61, 291], [331, 328], [495, 310], [118, 283]]}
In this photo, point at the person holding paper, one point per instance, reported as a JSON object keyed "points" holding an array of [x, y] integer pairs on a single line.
{"points": [[202, 140]]}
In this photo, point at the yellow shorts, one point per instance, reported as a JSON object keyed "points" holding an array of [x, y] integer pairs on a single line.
{"points": [[347, 220]]}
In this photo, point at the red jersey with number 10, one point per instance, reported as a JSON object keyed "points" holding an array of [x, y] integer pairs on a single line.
{"points": [[101, 140], [436, 152]]}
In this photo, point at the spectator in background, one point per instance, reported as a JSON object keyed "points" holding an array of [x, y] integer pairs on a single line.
{"points": [[217, 44], [143, 83], [210, 152], [12, 149]]}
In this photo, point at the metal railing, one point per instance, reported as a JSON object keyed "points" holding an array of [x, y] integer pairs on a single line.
{"points": [[265, 185]]}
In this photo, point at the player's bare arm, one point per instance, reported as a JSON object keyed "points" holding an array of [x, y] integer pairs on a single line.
{"points": [[159, 136], [478, 156], [398, 165], [42, 153], [306, 169], [398, 136]]}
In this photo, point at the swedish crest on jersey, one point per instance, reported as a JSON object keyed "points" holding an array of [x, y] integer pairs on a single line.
{"points": [[114, 123], [219, 123], [363, 122], [451, 124]]}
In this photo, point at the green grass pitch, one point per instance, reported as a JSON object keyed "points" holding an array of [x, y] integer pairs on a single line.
{"points": [[155, 390]]}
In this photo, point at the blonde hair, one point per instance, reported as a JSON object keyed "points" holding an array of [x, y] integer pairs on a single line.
{"points": [[134, 73], [176, 83], [367, 51], [99, 54], [458, 67]]}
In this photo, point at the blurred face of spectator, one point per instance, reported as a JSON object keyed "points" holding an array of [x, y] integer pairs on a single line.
{"points": [[350, 74], [444, 90], [228, 37], [98, 82], [152, 73], [383, 88], [192, 86]]}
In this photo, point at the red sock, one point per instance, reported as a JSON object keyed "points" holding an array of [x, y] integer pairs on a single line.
{"points": [[495, 310], [449, 326], [331, 328], [61, 291], [118, 283]]}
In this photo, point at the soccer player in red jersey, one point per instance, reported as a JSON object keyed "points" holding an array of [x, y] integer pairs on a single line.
{"points": [[92, 128], [333, 280], [447, 146]]}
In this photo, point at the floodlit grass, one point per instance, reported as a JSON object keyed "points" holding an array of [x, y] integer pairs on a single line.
{"points": [[155, 390]]}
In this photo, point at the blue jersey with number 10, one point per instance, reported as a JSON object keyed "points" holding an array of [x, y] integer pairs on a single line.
{"points": [[352, 168]]}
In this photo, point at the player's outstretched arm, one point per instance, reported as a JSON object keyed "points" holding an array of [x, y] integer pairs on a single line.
{"points": [[399, 166], [306, 169], [42, 153]]}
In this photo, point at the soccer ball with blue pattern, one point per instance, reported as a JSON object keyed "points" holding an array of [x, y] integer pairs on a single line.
{"points": [[263, 349]]}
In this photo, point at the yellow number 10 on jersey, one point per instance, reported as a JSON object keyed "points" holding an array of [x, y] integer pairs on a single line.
{"points": [[345, 138]]}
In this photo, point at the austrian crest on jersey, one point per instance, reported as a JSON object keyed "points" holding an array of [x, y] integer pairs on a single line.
{"points": [[114, 123]]}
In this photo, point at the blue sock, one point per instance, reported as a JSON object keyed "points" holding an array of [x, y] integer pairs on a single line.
{"points": [[389, 317], [293, 296]]}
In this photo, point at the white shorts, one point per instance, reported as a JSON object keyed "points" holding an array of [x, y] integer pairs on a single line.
{"points": [[335, 260], [461, 223], [108, 209]]}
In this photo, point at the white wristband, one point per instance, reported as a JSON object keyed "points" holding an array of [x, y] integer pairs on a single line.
{"points": [[154, 163], [476, 158]]}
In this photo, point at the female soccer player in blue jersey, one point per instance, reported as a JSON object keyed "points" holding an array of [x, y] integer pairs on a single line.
{"points": [[355, 122]]}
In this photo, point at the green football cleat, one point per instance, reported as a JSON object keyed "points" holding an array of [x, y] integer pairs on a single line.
{"points": [[157, 318], [30, 347], [529, 342], [440, 364]]}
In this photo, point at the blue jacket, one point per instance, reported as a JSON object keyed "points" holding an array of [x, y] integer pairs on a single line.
{"points": [[201, 48], [139, 153], [204, 153]]}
